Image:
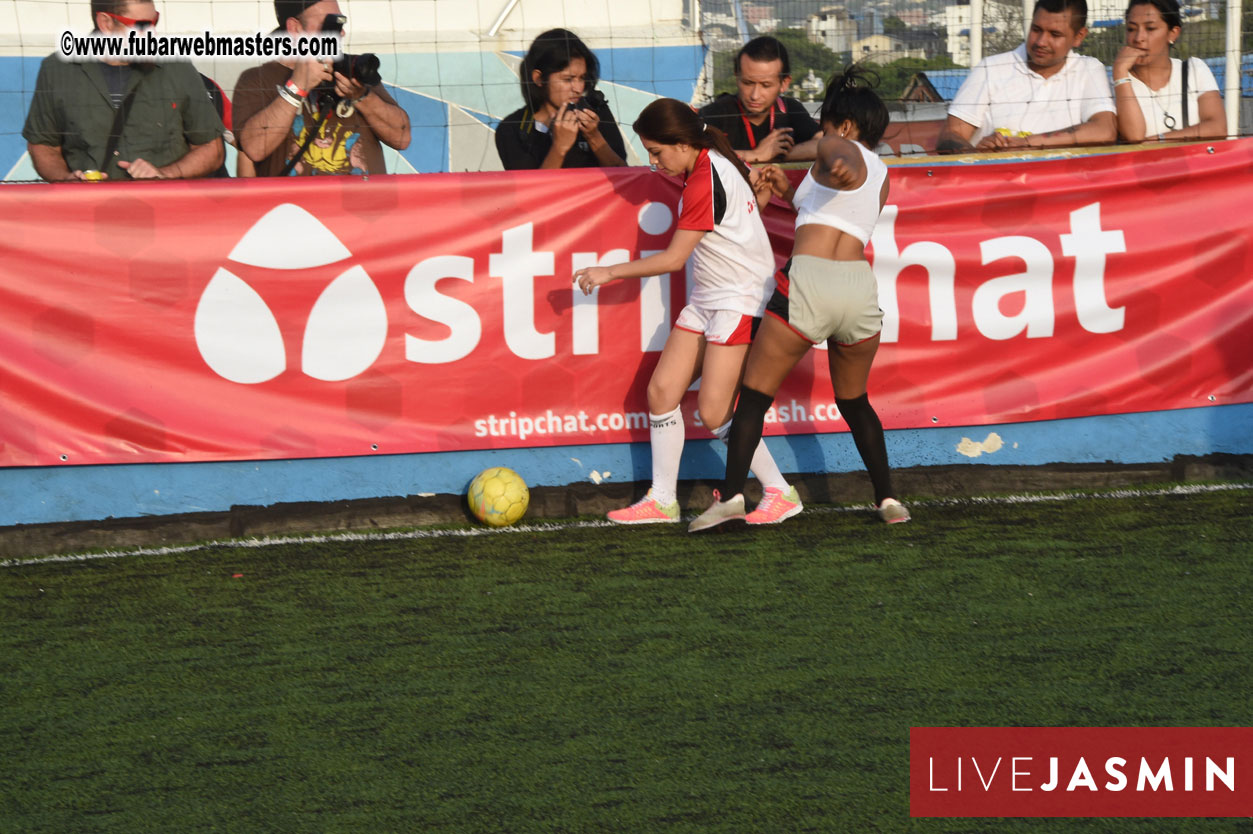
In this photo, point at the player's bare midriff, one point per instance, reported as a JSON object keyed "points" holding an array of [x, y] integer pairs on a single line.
{"points": [[828, 243]]}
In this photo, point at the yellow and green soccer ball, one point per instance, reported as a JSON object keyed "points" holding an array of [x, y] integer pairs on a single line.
{"points": [[498, 496]]}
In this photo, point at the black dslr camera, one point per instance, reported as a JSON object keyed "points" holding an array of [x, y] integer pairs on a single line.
{"points": [[591, 100], [364, 67]]}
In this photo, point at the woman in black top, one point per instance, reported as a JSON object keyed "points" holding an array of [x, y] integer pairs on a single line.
{"points": [[565, 123]]}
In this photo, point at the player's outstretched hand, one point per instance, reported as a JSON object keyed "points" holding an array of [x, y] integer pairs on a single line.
{"points": [[590, 277], [769, 181], [779, 183]]}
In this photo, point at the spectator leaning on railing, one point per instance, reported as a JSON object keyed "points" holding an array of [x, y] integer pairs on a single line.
{"points": [[113, 120], [1041, 95], [278, 104], [763, 124], [1149, 84]]}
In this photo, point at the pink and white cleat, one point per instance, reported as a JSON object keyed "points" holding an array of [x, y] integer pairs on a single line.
{"points": [[776, 505], [646, 511]]}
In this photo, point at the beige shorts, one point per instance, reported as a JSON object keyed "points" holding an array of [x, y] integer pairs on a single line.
{"points": [[822, 299]]}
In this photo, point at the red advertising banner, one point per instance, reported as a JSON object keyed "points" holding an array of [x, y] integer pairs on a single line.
{"points": [[221, 320], [1081, 771]]}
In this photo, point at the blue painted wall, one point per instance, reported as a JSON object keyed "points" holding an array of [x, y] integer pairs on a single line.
{"points": [[81, 493]]}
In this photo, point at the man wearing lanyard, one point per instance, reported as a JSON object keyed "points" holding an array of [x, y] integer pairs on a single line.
{"points": [[763, 124]]}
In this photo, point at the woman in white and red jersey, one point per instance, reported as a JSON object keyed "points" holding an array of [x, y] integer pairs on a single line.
{"points": [[720, 230], [826, 293]]}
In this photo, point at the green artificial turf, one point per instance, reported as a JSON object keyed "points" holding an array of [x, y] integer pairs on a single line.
{"points": [[602, 679]]}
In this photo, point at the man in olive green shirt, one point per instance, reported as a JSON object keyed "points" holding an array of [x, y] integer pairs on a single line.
{"points": [[171, 130]]}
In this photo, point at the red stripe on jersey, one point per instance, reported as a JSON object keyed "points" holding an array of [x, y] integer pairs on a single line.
{"points": [[696, 205]]}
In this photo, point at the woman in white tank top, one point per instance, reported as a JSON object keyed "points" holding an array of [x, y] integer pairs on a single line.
{"points": [[826, 293], [1148, 83]]}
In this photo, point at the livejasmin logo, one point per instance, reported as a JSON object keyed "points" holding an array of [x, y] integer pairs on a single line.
{"points": [[1023, 773], [1080, 771]]}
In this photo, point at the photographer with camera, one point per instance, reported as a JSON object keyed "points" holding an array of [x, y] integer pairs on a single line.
{"points": [[315, 116], [566, 122]]}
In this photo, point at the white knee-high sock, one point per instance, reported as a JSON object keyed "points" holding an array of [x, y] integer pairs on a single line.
{"points": [[764, 467], [665, 433]]}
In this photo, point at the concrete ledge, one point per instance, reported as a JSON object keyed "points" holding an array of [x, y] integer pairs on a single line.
{"points": [[584, 498]]}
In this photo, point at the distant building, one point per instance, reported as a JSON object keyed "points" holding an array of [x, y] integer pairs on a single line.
{"points": [[999, 19], [870, 23], [1103, 14], [912, 17], [934, 85], [920, 89], [884, 49], [760, 17], [833, 27]]}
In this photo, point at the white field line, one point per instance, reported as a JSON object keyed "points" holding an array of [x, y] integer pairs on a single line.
{"points": [[554, 527]]}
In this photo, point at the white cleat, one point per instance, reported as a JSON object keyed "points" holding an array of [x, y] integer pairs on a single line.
{"points": [[730, 510], [893, 511]]}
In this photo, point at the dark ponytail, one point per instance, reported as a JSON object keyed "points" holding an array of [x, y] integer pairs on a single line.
{"points": [[851, 96], [669, 121]]}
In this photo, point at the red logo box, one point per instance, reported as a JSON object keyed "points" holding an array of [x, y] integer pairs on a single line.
{"points": [[1081, 771]]}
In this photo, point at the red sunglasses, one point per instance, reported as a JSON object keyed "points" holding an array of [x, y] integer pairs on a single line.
{"points": [[133, 23]]}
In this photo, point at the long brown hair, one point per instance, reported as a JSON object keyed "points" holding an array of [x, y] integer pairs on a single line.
{"points": [[550, 52], [669, 121]]}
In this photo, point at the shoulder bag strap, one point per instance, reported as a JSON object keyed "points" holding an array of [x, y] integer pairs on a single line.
{"points": [[119, 122], [1186, 61], [309, 137]]}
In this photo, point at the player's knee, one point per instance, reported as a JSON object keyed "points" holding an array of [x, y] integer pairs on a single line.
{"points": [[753, 403], [714, 411], [854, 406], [662, 398], [713, 418]]}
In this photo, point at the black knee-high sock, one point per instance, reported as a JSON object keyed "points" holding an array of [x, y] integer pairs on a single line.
{"points": [[746, 428], [867, 433]]}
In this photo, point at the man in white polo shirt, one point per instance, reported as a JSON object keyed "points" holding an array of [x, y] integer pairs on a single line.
{"points": [[1039, 95]]}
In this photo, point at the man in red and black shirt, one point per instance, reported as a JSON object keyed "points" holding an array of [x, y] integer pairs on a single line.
{"points": [[763, 124]]}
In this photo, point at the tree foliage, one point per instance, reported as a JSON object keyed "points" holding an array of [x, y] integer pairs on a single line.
{"points": [[894, 76], [805, 55]]}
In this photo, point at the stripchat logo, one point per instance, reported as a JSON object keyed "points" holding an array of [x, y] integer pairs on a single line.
{"points": [[237, 333], [239, 337], [1081, 771]]}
